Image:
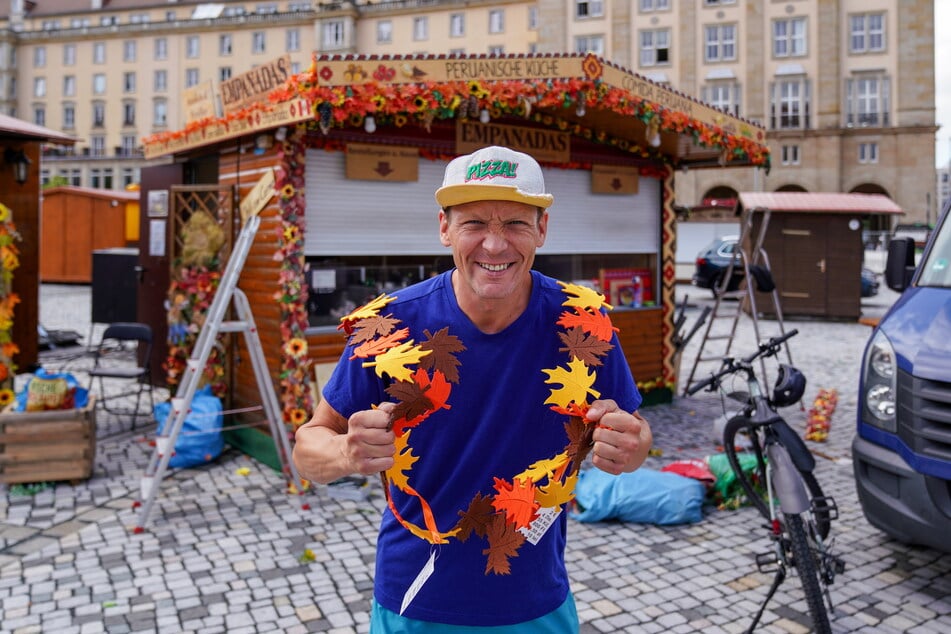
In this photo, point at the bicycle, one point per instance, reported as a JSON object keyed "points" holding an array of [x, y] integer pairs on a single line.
{"points": [[781, 485]]}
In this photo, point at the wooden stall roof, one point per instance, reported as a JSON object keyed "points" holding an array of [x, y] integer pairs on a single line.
{"points": [[581, 94], [13, 128], [91, 192], [818, 202]]}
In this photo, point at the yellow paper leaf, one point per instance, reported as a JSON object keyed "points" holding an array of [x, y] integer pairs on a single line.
{"points": [[543, 468], [394, 361], [370, 309], [403, 460], [584, 297], [557, 493], [576, 384]]}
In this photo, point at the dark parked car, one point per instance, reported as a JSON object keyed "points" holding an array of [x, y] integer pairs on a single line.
{"points": [[713, 260]]}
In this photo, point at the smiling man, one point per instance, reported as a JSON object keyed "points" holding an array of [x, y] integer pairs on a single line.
{"points": [[477, 394]]}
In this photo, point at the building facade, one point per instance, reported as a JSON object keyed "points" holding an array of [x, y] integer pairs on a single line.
{"points": [[845, 87]]}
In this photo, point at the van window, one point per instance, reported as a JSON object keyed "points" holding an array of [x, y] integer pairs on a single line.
{"points": [[936, 269]]}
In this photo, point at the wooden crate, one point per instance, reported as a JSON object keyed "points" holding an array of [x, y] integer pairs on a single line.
{"points": [[50, 445]]}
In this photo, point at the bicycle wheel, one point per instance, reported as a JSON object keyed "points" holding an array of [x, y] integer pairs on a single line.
{"points": [[804, 559], [740, 427]]}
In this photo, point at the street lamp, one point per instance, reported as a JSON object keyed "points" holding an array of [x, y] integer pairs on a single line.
{"points": [[20, 162]]}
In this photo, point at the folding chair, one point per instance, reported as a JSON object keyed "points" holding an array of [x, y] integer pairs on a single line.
{"points": [[117, 357]]}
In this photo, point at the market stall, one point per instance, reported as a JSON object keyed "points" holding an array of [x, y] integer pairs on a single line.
{"points": [[357, 146]]}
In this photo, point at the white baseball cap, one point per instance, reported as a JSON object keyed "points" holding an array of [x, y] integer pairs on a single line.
{"points": [[493, 173]]}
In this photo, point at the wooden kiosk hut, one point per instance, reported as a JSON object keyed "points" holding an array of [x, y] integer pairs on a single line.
{"points": [[815, 248], [356, 147]]}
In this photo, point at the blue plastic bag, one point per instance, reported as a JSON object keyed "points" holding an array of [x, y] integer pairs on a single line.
{"points": [[80, 396], [200, 439], [643, 496]]}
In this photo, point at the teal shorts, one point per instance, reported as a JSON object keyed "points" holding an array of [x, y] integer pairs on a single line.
{"points": [[563, 620]]}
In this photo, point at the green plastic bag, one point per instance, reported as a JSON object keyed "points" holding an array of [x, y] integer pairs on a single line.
{"points": [[727, 492]]}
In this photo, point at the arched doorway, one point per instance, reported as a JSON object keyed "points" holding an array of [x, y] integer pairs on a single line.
{"points": [[874, 225], [791, 187]]}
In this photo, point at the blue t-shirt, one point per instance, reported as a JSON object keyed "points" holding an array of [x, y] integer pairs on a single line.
{"points": [[497, 425]]}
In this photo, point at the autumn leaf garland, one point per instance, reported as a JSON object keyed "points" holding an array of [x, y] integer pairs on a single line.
{"points": [[423, 375]]}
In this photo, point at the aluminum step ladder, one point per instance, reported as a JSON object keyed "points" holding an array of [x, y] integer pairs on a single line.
{"points": [[226, 293], [747, 259]]}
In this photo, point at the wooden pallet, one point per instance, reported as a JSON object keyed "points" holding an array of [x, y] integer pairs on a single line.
{"points": [[47, 446]]}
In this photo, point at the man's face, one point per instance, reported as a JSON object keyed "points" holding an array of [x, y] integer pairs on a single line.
{"points": [[493, 245]]}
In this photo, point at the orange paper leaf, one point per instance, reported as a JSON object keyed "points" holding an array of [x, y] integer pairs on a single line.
{"points": [[379, 345], [517, 500], [596, 323]]}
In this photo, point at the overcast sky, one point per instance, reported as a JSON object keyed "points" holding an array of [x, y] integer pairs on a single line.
{"points": [[942, 77]]}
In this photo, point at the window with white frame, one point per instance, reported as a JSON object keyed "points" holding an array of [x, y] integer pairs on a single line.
{"points": [[496, 21], [69, 85], [258, 42], [589, 8], [108, 20], [724, 95], [457, 51], [129, 50], [868, 152], [266, 8], [159, 113], [99, 53], [532, 18], [160, 83], [69, 116], [39, 86], [80, 23], [39, 115], [128, 113], [161, 48], [224, 73], [192, 48], [292, 40], [789, 104], [98, 145], [789, 37], [719, 42], [99, 84], [225, 44], [128, 82], [129, 143], [334, 34], [589, 44], [98, 114], [867, 33], [191, 77], [139, 18], [384, 32], [420, 28], [39, 57], [716, 3], [457, 25], [69, 54], [497, 50], [790, 155], [655, 47], [128, 175], [654, 5], [867, 100]]}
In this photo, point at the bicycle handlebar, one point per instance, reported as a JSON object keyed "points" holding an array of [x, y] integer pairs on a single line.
{"points": [[768, 349]]}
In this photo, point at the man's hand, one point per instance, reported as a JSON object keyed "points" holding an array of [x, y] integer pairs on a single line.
{"points": [[621, 439], [330, 446], [369, 445]]}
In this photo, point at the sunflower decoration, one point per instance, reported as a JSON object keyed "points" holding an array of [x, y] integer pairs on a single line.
{"points": [[8, 299]]}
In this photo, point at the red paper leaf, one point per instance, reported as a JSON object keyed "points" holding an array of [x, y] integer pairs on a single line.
{"points": [[517, 500], [597, 324]]}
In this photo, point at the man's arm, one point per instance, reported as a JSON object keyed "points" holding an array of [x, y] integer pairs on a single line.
{"points": [[622, 440], [330, 447]]}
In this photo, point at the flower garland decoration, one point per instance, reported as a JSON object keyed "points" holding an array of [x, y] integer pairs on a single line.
{"points": [[291, 296], [426, 101], [422, 378], [9, 260], [190, 294]]}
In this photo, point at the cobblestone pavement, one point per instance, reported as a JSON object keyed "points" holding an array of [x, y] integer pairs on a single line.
{"points": [[225, 552]]}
